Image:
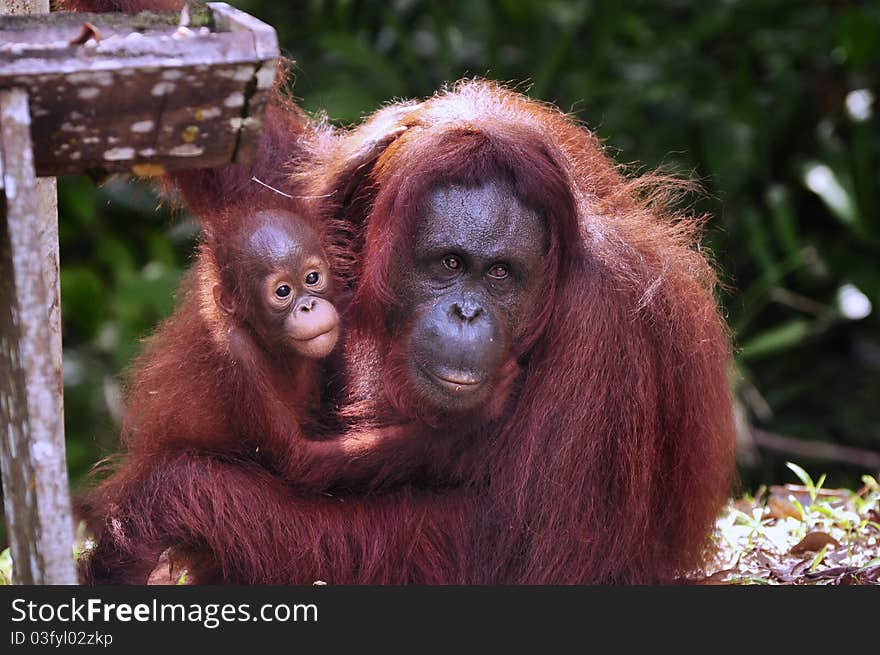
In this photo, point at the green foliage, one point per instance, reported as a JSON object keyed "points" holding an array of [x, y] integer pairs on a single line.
{"points": [[5, 567], [800, 534], [121, 262], [767, 103], [81, 546]]}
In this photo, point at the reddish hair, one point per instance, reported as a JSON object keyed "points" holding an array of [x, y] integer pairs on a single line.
{"points": [[610, 450], [617, 451]]}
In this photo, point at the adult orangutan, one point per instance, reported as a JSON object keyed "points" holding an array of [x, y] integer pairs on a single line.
{"points": [[543, 327]]}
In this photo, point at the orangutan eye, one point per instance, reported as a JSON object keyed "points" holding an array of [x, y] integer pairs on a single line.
{"points": [[313, 277], [452, 262], [499, 271], [283, 291]]}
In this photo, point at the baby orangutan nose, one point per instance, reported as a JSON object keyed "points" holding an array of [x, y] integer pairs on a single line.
{"points": [[305, 304], [314, 327], [277, 288]]}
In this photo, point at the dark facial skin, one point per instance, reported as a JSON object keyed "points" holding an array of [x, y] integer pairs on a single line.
{"points": [[287, 282], [475, 279]]}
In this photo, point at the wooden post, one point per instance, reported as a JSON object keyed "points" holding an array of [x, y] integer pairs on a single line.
{"points": [[148, 97], [35, 486]]}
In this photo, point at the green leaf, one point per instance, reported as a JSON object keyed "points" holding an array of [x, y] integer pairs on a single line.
{"points": [[777, 339], [5, 567], [803, 476], [818, 558], [800, 508]]}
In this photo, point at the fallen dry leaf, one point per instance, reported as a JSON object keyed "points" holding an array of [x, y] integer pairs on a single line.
{"points": [[814, 541], [744, 505], [781, 508]]}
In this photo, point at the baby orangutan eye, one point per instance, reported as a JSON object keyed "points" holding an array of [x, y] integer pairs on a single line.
{"points": [[313, 278], [283, 291]]}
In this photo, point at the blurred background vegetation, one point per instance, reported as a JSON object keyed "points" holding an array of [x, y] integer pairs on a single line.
{"points": [[770, 104]]}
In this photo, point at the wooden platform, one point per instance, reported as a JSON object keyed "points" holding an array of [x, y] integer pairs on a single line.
{"points": [[140, 93], [95, 93]]}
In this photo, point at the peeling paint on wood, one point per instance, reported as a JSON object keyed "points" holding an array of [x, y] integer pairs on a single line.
{"points": [[138, 95], [35, 489], [233, 20], [148, 170], [149, 96], [23, 7]]}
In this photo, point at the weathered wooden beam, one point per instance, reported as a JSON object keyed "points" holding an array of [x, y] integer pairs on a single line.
{"points": [[21, 7], [35, 486], [140, 93], [47, 226], [230, 19], [94, 93]]}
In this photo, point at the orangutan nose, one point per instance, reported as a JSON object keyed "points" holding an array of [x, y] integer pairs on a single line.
{"points": [[466, 311]]}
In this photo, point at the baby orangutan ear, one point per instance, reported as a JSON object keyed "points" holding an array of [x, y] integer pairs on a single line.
{"points": [[223, 299]]}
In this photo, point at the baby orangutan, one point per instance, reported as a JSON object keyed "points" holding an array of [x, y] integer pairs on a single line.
{"points": [[238, 372], [276, 288], [234, 375]]}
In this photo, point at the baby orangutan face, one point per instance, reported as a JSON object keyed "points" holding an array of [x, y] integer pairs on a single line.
{"points": [[283, 289]]}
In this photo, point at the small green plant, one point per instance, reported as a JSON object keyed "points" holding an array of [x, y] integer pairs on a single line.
{"points": [[5, 567], [801, 534]]}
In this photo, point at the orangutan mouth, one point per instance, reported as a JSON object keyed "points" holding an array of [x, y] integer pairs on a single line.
{"points": [[456, 381]]}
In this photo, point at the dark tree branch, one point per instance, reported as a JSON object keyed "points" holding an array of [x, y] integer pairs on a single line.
{"points": [[865, 459]]}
